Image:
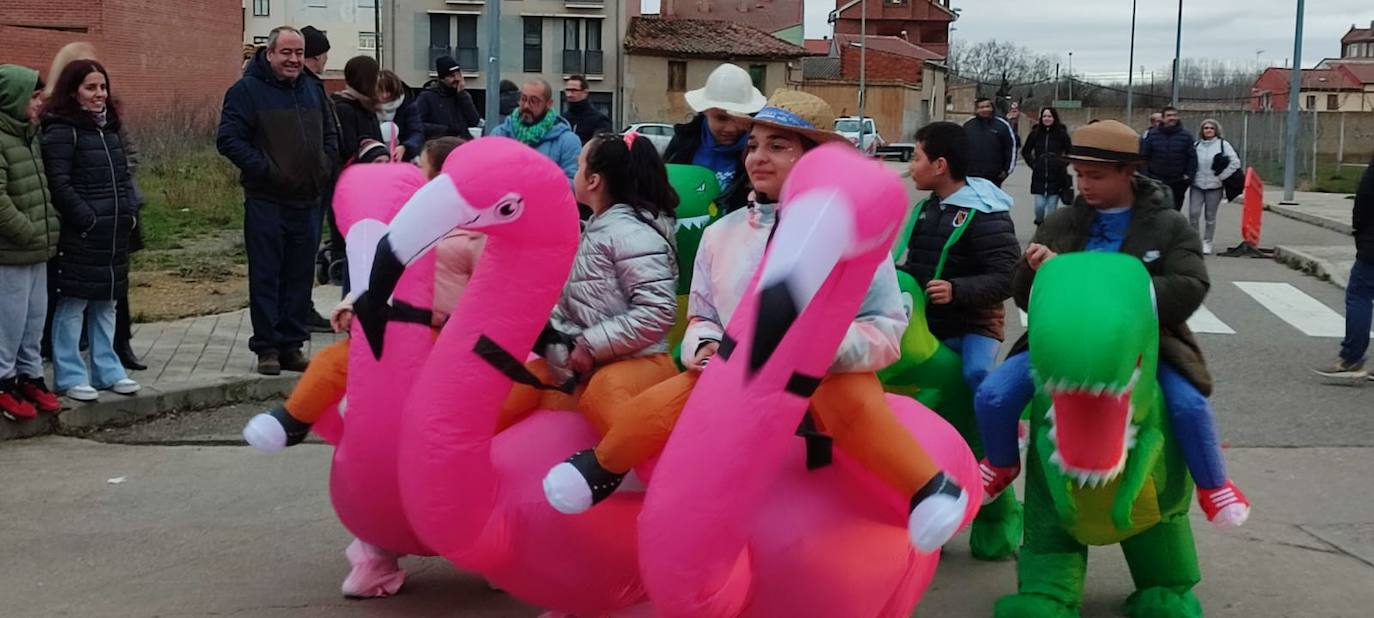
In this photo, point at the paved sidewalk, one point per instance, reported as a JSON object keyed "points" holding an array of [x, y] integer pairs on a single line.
{"points": [[1331, 211], [192, 363]]}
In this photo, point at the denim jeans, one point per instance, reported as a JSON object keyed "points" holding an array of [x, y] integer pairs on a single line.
{"points": [[1007, 390], [1359, 311], [979, 353], [1045, 205], [69, 369], [23, 308]]}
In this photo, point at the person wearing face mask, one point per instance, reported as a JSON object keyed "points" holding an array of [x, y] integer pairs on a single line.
{"points": [[715, 138], [402, 130], [278, 129], [93, 191], [28, 238]]}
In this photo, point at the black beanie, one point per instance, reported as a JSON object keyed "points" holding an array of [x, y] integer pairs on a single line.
{"points": [[316, 42]]}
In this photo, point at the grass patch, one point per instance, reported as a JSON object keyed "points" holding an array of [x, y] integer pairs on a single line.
{"points": [[1330, 177], [187, 197]]}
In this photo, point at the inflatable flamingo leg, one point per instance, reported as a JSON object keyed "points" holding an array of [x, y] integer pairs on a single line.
{"points": [[376, 572]]}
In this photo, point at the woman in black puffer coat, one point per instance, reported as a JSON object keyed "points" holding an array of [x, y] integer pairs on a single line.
{"points": [[93, 191], [1044, 152]]}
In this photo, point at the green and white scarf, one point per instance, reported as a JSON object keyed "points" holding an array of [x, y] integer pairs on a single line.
{"points": [[531, 135]]}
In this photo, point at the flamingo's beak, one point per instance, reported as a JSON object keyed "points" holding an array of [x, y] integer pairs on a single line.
{"points": [[430, 214], [814, 233]]}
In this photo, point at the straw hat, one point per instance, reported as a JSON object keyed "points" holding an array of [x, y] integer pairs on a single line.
{"points": [[800, 112], [1107, 141], [730, 88]]}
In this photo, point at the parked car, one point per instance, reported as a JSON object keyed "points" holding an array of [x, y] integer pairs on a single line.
{"points": [[873, 143], [658, 133]]}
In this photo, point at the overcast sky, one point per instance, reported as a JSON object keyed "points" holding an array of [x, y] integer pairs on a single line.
{"points": [[1098, 31]]}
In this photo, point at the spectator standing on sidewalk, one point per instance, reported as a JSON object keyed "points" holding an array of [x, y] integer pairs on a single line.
{"points": [[1044, 152], [1359, 293], [277, 128], [93, 191], [28, 239], [717, 137], [538, 126], [1171, 156], [993, 144], [587, 121], [1207, 191], [397, 106], [1156, 120], [446, 107]]}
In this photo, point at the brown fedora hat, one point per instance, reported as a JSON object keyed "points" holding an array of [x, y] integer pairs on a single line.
{"points": [[1107, 141]]}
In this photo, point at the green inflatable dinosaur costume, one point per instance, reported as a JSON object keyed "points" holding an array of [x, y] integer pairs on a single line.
{"points": [[933, 374], [697, 190], [1103, 467]]}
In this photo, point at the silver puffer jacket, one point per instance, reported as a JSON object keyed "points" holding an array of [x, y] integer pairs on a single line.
{"points": [[621, 298]]}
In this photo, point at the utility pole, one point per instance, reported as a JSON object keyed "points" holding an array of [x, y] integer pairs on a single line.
{"points": [[1130, 73], [1178, 50], [1070, 76], [1056, 81], [493, 112], [863, 73], [1290, 148]]}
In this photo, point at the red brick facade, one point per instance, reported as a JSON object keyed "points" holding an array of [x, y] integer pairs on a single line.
{"points": [[161, 55], [920, 22], [882, 66]]}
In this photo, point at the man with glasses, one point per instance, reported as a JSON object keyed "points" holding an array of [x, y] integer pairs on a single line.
{"points": [[538, 126], [587, 122]]}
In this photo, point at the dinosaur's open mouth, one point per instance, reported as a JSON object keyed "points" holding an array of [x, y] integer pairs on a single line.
{"points": [[1091, 429]]}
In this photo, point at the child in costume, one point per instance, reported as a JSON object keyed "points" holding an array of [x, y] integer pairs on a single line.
{"points": [[1121, 211], [322, 385], [608, 332], [962, 250], [849, 404]]}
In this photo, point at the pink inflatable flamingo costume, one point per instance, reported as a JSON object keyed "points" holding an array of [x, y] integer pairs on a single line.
{"points": [[733, 523], [473, 496], [364, 477]]}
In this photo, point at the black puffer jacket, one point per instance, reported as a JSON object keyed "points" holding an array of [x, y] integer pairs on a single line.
{"points": [[1170, 154], [1363, 217], [683, 148], [1044, 152], [993, 148], [447, 111], [586, 120], [88, 172], [979, 268]]}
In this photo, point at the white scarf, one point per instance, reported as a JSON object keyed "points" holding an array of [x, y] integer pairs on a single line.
{"points": [[387, 112]]}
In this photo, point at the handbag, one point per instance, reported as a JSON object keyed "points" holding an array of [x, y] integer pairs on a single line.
{"points": [[1234, 185]]}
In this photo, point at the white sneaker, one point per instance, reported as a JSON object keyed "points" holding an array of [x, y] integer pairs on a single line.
{"points": [[126, 387], [82, 392], [1207, 247]]}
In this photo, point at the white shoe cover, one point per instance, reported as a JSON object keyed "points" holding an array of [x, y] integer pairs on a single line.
{"points": [[566, 490], [936, 520], [265, 434]]}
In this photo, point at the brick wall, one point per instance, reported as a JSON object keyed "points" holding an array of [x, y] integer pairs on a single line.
{"points": [[161, 55], [881, 66]]}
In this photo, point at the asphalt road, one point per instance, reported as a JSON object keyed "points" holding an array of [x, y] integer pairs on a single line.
{"points": [[172, 518]]}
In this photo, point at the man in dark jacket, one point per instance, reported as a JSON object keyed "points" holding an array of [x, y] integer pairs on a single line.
{"points": [[276, 127], [586, 121], [446, 107], [1359, 294], [316, 59], [992, 144], [1170, 156], [1120, 211], [962, 249]]}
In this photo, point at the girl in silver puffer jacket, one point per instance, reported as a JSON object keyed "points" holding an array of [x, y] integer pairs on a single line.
{"points": [[609, 329]]}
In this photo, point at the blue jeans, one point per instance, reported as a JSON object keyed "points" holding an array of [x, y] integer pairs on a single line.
{"points": [[979, 353], [1045, 205], [69, 369], [1359, 312], [1008, 389]]}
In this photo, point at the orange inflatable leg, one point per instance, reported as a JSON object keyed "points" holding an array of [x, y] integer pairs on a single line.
{"points": [[852, 408], [524, 399], [644, 423], [322, 385]]}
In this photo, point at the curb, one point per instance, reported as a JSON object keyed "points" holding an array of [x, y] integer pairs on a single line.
{"points": [[1306, 217], [116, 410], [1312, 265]]}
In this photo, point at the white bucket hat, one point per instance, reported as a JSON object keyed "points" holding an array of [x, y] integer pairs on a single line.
{"points": [[729, 88]]}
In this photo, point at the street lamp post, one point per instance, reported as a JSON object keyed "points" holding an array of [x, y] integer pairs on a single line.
{"points": [[1070, 76], [1130, 70], [1178, 50], [863, 71], [1290, 149], [493, 111]]}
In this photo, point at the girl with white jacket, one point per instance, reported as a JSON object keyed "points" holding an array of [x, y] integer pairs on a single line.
{"points": [[1207, 190]]}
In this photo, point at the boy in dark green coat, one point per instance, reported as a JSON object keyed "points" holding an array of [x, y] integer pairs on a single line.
{"points": [[28, 238]]}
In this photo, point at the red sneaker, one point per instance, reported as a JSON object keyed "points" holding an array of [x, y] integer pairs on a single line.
{"points": [[1225, 506], [996, 479], [36, 391], [13, 406]]}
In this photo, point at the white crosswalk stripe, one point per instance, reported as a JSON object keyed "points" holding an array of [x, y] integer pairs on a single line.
{"points": [[1307, 314], [1204, 321]]}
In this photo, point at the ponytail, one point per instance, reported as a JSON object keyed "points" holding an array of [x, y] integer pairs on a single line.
{"points": [[634, 174]]}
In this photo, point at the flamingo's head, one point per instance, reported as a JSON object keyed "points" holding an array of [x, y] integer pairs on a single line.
{"points": [[837, 207], [503, 188]]}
